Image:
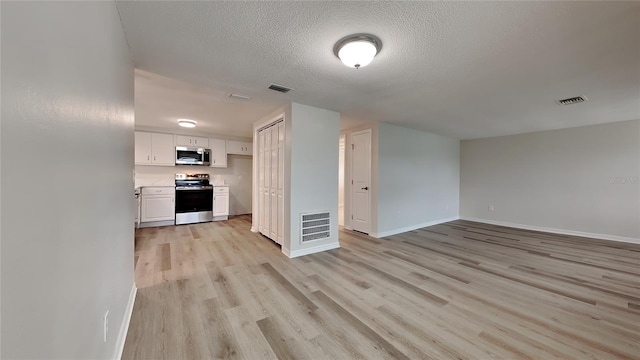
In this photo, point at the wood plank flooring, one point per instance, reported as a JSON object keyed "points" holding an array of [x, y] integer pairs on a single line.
{"points": [[460, 290]]}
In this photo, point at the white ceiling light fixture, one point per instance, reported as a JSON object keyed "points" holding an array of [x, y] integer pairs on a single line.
{"points": [[357, 50], [187, 123], [239, 96]]}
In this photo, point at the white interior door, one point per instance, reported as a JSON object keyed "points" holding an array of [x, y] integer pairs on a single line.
{"points": [[361, 180], [261, 175], [280, 207], [271, 181], [266, 195], [274, 183]]}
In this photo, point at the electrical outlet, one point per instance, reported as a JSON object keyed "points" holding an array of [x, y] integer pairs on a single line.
{"points": [[105, 325], [490, 208]]}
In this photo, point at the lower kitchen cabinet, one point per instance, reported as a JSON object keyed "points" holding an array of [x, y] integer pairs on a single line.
{"points": [[220, 202], [158, 203]]}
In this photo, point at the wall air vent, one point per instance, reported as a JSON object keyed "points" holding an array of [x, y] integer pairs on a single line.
{"points": [[315, 226], [280, 88], [573, 100]]}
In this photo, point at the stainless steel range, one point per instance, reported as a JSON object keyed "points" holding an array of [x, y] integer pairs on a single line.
{"points": [[194, 199]]}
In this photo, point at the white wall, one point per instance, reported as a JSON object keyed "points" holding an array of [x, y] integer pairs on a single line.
{"points": [[583, 179], [177, 130], [341, 164], [418, 179], [67, 178], [312, 147], [237, 175], [67, 241], [341, 171]]}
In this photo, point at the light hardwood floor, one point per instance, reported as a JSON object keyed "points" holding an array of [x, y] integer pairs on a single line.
{"points": [[460, 290]]}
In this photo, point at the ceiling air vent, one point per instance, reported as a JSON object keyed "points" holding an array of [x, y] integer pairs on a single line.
{"points": [[280, 88], [573, 100]]}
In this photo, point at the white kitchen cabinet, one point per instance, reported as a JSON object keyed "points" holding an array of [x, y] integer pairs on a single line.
{"points": [[163, 149], [248, 148], [154, 149], [136, 208], [158, 203], [142, 148], [194, 141], [218, 153], [220, 202], [239, 147]]}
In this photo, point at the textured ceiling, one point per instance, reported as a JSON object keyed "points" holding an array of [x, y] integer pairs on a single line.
{"points": [[461, 69], [161, 101]]}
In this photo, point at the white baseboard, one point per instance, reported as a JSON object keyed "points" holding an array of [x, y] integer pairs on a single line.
{"points": [[412, 227], [555, 231], [286, 251], [124, 327], [157, 223], [311, 250]]}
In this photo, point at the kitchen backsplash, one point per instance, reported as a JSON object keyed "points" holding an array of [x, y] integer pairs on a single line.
{"points": [[237, 176]]}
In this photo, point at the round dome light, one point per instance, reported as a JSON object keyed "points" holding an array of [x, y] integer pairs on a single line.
{"points": [[357, 50], [187, 123]]}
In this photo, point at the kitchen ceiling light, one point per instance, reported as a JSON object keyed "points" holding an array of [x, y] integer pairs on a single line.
{"points": [[187, 123], [357, 50], [239, 96]]}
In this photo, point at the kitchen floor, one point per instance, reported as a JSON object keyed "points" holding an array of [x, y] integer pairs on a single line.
{"points": [[459, 290]]}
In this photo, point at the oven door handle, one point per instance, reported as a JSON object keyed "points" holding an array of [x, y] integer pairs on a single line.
{"points": [[194, 188]]}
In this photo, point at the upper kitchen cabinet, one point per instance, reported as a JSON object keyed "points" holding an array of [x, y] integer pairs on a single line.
{"points": [[154, 149], [239, 147], [193, 141], [218, 153]]}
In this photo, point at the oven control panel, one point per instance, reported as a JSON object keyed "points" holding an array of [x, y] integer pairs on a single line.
{"points": [[192, 176]]}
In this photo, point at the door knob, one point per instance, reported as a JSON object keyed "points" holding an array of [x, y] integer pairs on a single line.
{"points": [[365, 188]]}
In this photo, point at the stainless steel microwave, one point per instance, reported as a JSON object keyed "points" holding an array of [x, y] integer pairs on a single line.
{"points": [[193, 156]]}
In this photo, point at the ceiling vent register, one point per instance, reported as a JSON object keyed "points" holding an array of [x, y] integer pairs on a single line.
{"points": [[315, 226], [280, 88], [573, 100]]}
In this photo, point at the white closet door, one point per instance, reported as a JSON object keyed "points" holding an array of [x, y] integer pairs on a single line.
{"points": [[274, 183], [280, 207], [271, 182], [266, 195], [261, 175]]}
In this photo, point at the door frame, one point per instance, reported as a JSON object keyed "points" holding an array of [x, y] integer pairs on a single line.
{"points": [[349, 148], [342, 146], [255, 195]]}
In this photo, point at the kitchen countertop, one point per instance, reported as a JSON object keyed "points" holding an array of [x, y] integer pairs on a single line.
{"points": [[140, 183], [154, 182]]}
